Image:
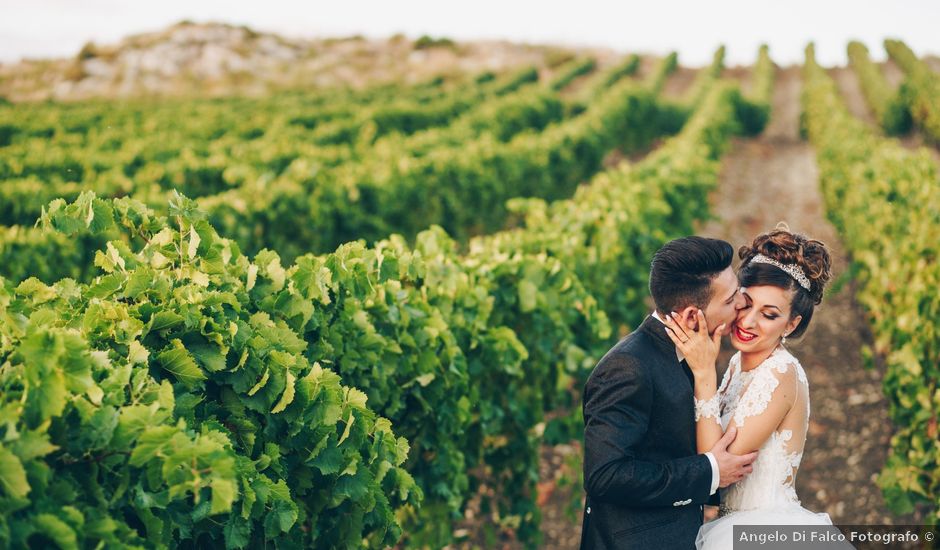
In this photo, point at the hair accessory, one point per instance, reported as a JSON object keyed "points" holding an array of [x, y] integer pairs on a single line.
{"points": [[792, 269]]}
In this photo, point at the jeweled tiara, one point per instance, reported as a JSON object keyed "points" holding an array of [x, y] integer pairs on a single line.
{"points": [[792, 269]]}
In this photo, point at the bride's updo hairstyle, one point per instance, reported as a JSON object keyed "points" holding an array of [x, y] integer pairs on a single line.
{"points": [[781, 245]]}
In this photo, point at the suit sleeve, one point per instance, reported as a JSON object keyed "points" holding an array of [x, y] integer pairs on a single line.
{"points": [[617, 405]]}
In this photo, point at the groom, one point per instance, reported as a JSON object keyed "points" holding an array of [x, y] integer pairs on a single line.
{"points": [[645, 482]]}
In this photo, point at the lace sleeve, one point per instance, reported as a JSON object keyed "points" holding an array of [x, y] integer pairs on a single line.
{"points": [[766, 401], [711, 408], [763, 390], [708, 408]]}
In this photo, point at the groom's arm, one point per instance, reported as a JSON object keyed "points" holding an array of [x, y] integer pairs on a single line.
{"points": [[617, 405]]}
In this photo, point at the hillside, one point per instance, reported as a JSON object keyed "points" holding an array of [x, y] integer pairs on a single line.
{"points": [[219, 59]]}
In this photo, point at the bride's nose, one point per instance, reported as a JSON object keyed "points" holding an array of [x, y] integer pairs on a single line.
{"points": [[746, 318], [739, 300]]}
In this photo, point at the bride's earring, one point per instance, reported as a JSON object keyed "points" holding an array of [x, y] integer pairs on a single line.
{"points": [[784, 341]]}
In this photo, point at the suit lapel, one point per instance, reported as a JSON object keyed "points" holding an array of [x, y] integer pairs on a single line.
{"points": [[657, 332], [688, 372]]}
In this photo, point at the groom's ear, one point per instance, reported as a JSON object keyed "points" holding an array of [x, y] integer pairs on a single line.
{"points": [[688, 318]]}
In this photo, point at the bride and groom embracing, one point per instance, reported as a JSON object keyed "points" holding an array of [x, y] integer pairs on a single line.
{"points": [[661, 435]]}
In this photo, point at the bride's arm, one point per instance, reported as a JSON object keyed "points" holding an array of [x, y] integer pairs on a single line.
{"points": [[765, 403], [707, 411]]}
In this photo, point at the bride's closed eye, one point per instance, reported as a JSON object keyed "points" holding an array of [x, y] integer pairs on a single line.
{"points": [[768, 316]]}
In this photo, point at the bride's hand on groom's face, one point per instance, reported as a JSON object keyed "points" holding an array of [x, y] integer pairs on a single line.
{"points": [[698, 346]]}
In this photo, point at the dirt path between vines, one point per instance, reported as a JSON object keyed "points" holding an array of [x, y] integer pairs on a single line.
{"points": [[763, 181], [774, 178], [679, 82]]}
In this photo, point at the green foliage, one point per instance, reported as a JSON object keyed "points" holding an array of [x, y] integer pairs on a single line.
{"points": [[888, 105], [580, 100], [169, 401], [627, 67], [199, 147], [213, 399], [920, 91], [755, 112], [567, 74], [88, 51], [425, 42], [410, 115], [704, 78], [7, 132], [674, 113], [26, 252], [664, 68], [462, 187], [885, 200]]}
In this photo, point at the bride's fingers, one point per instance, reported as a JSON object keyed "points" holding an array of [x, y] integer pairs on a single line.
{"points": [[716, 337], [672, 320], [670, 324], [702, 325], [675, 339]]}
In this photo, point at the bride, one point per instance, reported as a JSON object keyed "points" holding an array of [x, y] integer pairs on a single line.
{"points": [[764, 392]]}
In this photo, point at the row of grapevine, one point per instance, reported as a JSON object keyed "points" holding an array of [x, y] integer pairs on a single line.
{"points": [[568, 73], [23, 198], [530, 108], [920, 90], [588, 230], [888, 106], [676, 111], [513, 107], [885, 200], [461, 187], [705, 77], [170, 400], [605, 79], [200, 148], [221, 361], [409, 116], [330, 104], [213, 151]]}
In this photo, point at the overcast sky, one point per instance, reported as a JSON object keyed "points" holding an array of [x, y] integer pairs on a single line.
{"points": [[57, 28]]}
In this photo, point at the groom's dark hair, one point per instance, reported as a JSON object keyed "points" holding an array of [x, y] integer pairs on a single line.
{"points": [[682, 272]]}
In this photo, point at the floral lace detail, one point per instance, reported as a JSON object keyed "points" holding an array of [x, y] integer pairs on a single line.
{"points": [[758, 393], [791, 459], [771, 484], [708, 408], [748, 393]]}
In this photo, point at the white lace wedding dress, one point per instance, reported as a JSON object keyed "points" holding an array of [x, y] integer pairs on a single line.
{"points": [[766, 496]]}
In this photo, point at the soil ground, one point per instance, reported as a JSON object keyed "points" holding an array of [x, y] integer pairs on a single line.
{"points": [[679, 82]]}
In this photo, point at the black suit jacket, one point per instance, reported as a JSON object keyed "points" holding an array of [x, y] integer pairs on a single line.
{"points": [[645, 482]]}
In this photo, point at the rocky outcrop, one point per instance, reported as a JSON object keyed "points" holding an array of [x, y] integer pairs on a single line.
{"points": [[219, 59]]}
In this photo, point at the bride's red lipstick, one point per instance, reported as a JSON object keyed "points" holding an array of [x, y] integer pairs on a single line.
{"points": [[743, 335]]}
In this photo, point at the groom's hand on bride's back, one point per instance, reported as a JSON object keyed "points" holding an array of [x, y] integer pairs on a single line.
{"points": [[731, 467]]}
